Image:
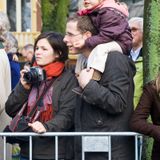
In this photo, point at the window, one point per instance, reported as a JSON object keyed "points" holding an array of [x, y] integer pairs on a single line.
{"points": [[11, 11], [19, 13], [26, 15]]}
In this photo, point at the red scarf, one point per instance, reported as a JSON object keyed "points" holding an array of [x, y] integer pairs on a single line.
{"points": [[53, 69], [46, 111], [84, 12], [109, 3]]}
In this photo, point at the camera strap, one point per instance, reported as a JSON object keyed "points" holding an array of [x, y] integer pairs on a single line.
{"points": [[34, 109]]}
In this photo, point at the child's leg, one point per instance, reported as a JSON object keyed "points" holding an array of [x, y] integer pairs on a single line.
{"points": [[98, 56]]}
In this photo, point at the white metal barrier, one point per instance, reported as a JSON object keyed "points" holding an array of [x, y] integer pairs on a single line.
{"points": [[103, 140]]}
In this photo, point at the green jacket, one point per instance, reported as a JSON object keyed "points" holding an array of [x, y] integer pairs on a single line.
{"points": [[138, 80]]}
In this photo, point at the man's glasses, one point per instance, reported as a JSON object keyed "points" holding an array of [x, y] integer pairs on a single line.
{"points": [[134, 29]]}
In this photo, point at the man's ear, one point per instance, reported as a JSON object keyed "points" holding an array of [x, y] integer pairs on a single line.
{"points": [[88, 34]]}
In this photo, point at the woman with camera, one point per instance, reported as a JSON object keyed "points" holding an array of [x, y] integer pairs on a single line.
{"points": [[51, 84]]}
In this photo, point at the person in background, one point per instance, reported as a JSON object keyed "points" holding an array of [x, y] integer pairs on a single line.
{"points": [[5, 83], [28, 52], [136, 25], [56, 112], [11, 47], [105, 105], [149, 106]]}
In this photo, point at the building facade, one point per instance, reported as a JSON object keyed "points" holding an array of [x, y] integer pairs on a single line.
{"points": [[24, 17]]}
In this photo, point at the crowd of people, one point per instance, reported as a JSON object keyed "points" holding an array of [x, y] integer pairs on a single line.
{"points": [[100, 95]]}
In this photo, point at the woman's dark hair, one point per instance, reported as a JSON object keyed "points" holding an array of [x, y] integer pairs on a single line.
{"points": [[56, 41]]}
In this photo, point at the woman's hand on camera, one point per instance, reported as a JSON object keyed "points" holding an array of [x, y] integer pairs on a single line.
{"points": [[23, 82], [37, 127]]}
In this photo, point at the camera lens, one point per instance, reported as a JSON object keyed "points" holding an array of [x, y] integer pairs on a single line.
{"points": [[28, 77], [35, 75], [31, 77]]}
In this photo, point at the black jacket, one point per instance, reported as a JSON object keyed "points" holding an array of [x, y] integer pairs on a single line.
{"points": [[64, 102], [107, 105]]}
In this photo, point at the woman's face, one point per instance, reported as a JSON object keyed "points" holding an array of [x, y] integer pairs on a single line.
{"points": [[44, 53]]}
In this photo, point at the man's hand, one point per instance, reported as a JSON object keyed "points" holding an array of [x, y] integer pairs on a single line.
{"points": [[15, 58], [37, 127], [85, 76]]}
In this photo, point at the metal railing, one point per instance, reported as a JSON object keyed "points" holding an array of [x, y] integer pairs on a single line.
{"points": [[85, 140]]}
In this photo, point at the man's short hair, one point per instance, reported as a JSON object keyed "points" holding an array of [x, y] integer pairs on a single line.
{"points": [[84, 24], [138, 21]]}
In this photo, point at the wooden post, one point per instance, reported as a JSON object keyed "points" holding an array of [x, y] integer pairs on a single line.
{"points": [[151, 49]]}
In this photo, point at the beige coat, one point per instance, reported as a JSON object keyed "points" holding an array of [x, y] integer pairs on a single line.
{"points": [[5, 89]]}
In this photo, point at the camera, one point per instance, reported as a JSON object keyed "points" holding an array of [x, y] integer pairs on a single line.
{"points": [[35, 75]]}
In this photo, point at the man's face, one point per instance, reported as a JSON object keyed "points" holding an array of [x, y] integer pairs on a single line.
{"points": [[24, 54], [72, 35], [27, 54], [137, 35]]}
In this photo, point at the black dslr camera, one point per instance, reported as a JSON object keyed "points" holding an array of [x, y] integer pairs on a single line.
{"points": [[35, 75]]}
